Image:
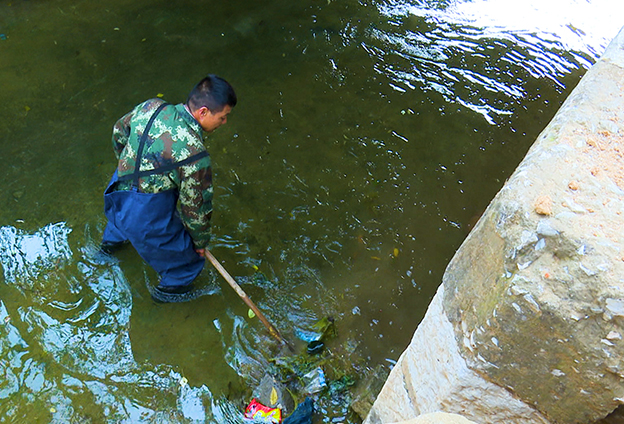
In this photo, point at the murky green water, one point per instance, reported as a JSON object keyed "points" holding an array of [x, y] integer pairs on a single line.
{"points": [[368, 138]]}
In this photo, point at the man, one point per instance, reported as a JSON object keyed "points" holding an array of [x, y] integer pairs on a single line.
{"points": [[163, 162]]}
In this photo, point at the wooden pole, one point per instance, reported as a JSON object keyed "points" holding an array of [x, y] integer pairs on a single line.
{"points": [[272, 330]]}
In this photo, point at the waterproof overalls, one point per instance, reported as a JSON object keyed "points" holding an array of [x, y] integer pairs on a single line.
{"points": [[150, 222]]}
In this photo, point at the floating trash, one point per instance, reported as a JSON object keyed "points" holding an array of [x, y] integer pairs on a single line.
{"points": [[263, 414], [315, 347], [321, 330], [273, 394], [314, 381]]}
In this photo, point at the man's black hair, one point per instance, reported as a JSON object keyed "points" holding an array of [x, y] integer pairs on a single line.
{"points": [[212, 92]]}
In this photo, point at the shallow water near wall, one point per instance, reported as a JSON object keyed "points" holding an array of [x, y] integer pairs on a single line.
{"points": [[368, 139]]}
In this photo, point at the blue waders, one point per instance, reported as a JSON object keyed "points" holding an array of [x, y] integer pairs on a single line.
{"points": [[150, 222]]}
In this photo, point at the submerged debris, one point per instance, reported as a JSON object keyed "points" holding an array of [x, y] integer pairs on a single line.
{"points": [[274, 394], [320, 331], [368, 390], [315, 347], [314, 381], [304, 379]]}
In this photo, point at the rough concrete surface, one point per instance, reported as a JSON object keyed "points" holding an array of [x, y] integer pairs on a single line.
{"points": [[535, 294], [438, 418], [431, 375]]}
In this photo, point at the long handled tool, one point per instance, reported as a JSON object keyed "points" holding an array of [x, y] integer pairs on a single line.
{"points": [[272, 330]]}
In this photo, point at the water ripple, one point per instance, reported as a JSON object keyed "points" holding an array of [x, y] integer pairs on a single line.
{"points": [[481, 54], [24, 256], [77, 344]]}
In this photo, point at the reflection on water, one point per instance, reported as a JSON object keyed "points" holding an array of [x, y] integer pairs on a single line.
{"points": [[68, 354], [24, 257], [480, 54], [57, 351], [367, 140]]}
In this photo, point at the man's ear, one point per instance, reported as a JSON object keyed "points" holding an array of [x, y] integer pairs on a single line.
{"points": [[201, 113]]}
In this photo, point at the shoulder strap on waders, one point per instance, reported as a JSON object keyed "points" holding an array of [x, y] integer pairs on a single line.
{"points": [[162, 169]]}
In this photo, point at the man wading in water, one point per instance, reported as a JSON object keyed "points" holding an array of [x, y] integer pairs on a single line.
{"points": [[162, 159]]}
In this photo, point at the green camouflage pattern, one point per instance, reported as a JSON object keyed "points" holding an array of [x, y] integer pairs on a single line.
{"points": [[174, 136]]}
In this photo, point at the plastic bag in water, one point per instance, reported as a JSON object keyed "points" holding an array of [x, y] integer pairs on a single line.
{"points": [[314, 381]]}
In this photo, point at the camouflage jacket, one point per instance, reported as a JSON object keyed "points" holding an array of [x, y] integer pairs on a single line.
{"points": [[174, 136]]}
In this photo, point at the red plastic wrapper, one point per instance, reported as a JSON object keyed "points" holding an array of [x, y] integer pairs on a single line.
{"points": [[263, 414]]}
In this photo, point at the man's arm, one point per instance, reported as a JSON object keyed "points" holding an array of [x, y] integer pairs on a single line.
{"points": [[196, 200], [121, 133]]}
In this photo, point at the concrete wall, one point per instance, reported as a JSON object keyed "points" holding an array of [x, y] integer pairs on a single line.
{"points": [[528, 323]]}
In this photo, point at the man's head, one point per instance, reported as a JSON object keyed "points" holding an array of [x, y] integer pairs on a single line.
{"points": [[210, 102]]}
